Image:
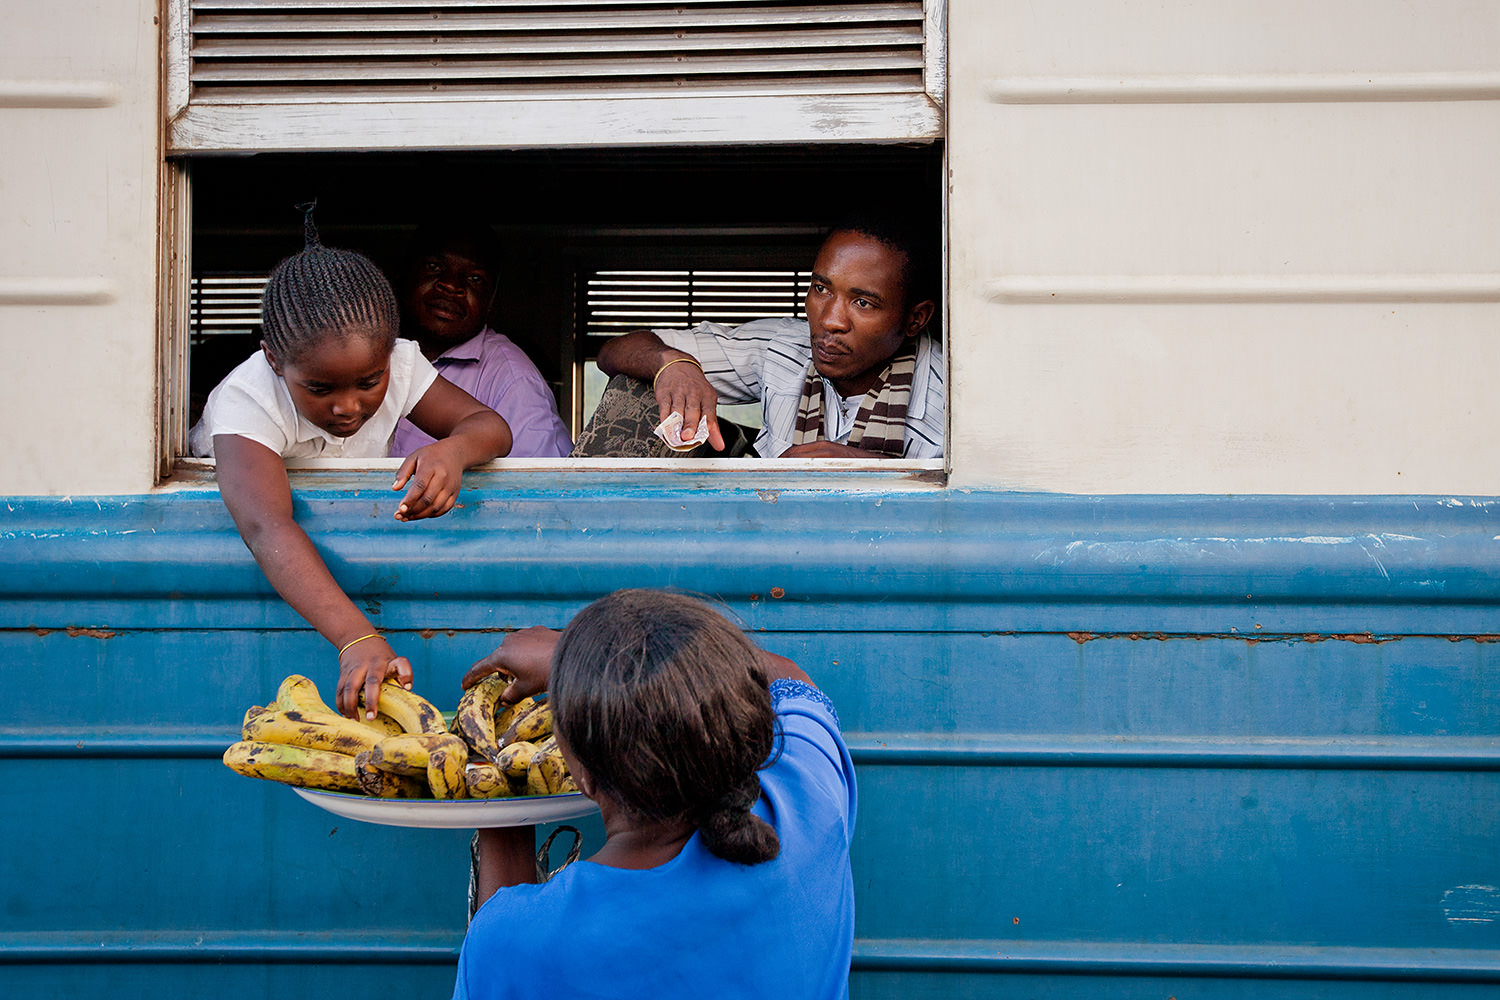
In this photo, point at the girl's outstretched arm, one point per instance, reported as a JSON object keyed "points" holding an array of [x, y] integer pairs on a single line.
{"points": [[253, 483], [468, 433]]}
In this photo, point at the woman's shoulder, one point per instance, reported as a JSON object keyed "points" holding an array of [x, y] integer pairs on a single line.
{"points": [[786, 691]]}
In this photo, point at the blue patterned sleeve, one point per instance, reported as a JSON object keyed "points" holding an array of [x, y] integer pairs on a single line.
{"points": [[785, 687], [810, 743]]}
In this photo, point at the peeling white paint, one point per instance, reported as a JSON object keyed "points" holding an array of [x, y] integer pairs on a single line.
{"points": [[1471, 904]]}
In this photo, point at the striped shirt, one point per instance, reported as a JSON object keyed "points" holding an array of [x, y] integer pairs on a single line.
{"points": [[766, 361]]}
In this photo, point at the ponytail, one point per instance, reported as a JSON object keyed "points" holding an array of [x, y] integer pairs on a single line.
{"points": [[731, 831]]}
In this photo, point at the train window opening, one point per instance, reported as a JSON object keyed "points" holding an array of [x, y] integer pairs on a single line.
{"points": [[594, 242]]}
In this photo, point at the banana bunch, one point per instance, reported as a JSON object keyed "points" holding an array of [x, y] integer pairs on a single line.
{"points": [[407, 750], [511, 747]]}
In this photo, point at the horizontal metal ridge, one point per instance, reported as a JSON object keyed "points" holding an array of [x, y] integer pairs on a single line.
{"points": [[1394, 753], [95, 744], [58, 93], [39, 291], [719, 65], [200, 7], [1141, 958], [1268, 961], [433, 46], [420, 18], [256, 947], [1461, 753], [1167, 289], [1247, 88]]}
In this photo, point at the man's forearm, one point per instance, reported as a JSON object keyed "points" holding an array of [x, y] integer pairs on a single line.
{"points": [[640, 355]]}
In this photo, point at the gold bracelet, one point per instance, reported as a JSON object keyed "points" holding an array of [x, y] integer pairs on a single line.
{"points": [[372, 635], [669, 364]]}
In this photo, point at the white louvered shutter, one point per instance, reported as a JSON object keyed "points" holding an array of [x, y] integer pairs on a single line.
{"points": [[386, 74]]}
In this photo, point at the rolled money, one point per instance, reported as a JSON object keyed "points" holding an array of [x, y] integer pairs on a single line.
{"points": [[670, 431]]}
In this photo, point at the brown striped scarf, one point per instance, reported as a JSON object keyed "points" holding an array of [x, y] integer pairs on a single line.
{"points": [[880, 423]]}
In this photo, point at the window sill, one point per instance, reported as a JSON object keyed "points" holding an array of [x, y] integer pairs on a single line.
{"points": [[613, 473]]}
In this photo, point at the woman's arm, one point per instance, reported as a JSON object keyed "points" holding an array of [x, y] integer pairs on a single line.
{"points": [[679, 388], [252, 481], [780, 668], [468, 433]]}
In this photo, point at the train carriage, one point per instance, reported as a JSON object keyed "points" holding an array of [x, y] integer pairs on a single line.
{"points": [[1176, 676]]}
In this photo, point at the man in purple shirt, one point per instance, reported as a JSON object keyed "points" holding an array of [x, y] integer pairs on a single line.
{"points": [[446, 289]]}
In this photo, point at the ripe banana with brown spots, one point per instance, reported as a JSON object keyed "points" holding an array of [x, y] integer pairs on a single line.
{"points": [[530, 726], [486, 781], [385, 785], [440, 758], [515, 758], [547, 774], [293, 765], [299, 692], [414, 713], [315, 731], [474, 719]]}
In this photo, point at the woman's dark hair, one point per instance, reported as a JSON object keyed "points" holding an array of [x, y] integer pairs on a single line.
{"points": [[664, 703], [324, 292]]}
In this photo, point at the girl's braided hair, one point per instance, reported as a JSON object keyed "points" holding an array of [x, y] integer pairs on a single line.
{"points": [[323, 292], [665, 704]]}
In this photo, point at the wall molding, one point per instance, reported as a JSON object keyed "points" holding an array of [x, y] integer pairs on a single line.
{"points": [[1147, 958], [1341, 753], [1167, 289], [152, 946], [919, 749], [58, 94], [28, 291], [1247, 88]]}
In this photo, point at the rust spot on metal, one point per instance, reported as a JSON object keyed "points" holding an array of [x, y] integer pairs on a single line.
{"points": [[778, 593], [1082, 637], [1360, 637], [76, 632]]}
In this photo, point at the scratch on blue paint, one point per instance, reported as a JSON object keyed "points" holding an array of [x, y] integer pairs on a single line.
{"points": [[1471, 904]]}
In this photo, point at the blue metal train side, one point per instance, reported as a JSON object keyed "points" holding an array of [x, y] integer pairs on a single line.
{"points": [[1126, 746]]}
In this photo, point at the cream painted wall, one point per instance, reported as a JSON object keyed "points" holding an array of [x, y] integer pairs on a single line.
{"points": [[78, 178], [1229, 246], [1225, 246]]}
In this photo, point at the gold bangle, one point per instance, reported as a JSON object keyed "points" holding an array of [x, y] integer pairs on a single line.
{"points": [[669, 364], [372, 635]]}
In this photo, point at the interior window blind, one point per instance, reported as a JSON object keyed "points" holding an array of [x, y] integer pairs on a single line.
{"points": [[616, 302]]}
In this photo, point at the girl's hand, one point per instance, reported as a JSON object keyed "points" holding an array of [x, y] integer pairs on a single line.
{"points": [[362, 669], [526, 656], [436, 475]]}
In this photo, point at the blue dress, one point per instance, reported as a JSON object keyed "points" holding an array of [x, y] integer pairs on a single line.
{"points": [[697, 926]]}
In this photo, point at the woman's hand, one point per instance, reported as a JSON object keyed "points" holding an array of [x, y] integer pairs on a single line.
{"points": [[363, 667], [524, 656], [436, 473]]}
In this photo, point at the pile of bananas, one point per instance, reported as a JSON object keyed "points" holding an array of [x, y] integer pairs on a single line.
{"points": [[407, 751]]}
